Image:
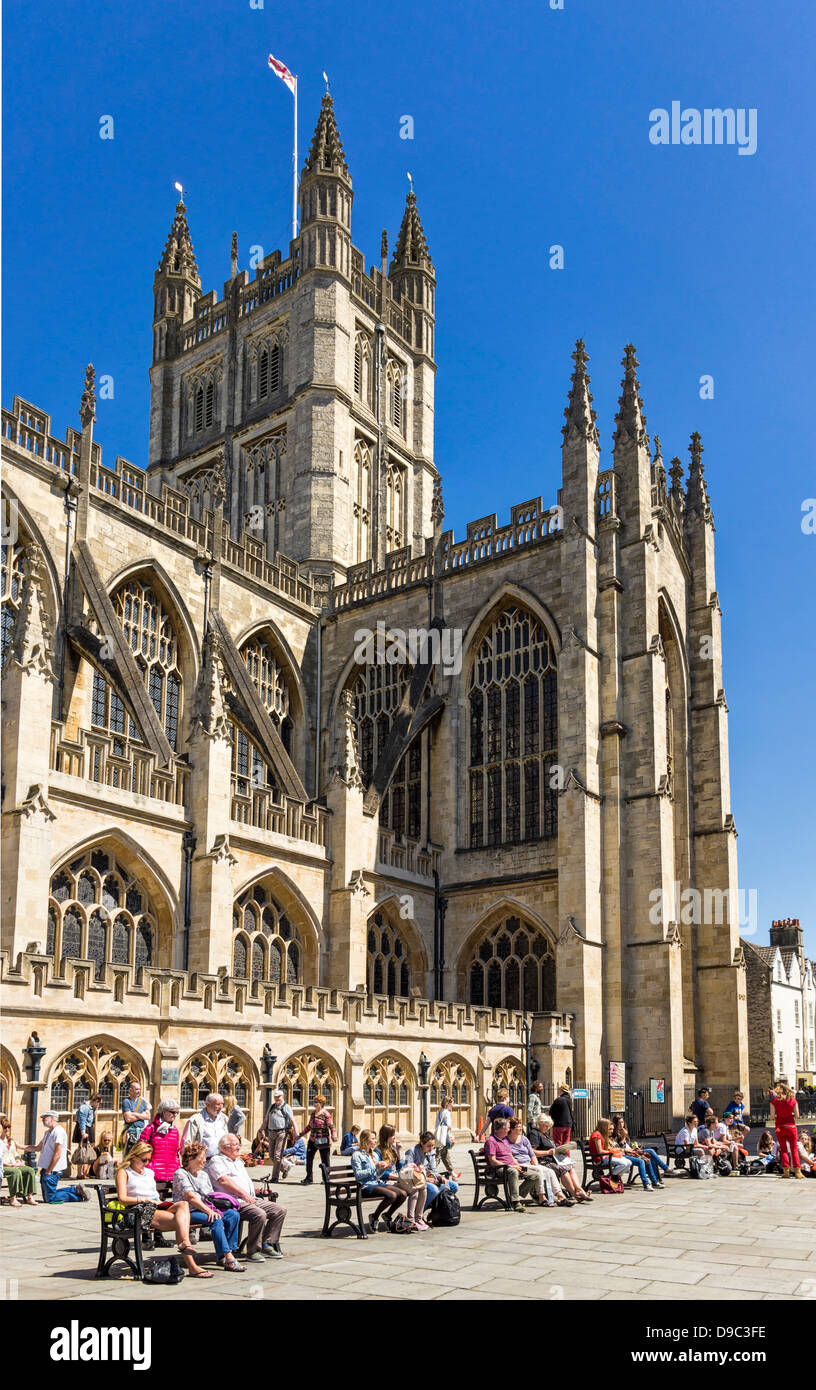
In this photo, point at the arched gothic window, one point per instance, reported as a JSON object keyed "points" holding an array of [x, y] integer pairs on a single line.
{"points": [[303, 1078], [388, 969], [265, 942], [11, 590], [513, 967], [388, 1094], [451, 1078], [216, 1070], [513, 733], [203, 405], [377, 691], [395, 507], [83, 1071], [249, 766], [395, 375], [151, 636], [361, 504], [362, 367], [98, 911], [269, 370], [509, 1076]]}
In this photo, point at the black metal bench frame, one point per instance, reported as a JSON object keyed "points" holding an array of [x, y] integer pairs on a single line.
{"points": [[345, 1197], [494, 1184], [599, 1167], [122, 1236], [681, 1153]]}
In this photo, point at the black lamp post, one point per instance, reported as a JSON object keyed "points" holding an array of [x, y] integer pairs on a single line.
{"points": [[424, 1068], [35, 1053], [268, 1060]]}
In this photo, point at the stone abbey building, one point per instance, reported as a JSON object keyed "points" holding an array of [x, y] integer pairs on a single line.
{"points": [[300, 789]]}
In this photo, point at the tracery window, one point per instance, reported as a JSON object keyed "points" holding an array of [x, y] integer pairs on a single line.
{"points": [[248, 763], [451, 1078], [513, 967], [395, 507], [303, 1078], [513, 717], [388, 1094], [215, 1070], [98, 911], [83, 1071], [509, 1076], [11, 590], [361, 504], [151, 636], [395, 377], [362, 367], [388, 969], [377, 691], [266, 945]]}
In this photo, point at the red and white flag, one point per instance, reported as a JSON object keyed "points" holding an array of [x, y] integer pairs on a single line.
{"points": [[283, 72]]}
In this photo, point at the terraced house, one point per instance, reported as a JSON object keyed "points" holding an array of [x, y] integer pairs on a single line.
{"points": [[237, 854]]}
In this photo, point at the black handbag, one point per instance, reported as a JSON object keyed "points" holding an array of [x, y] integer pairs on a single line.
{"points": [[167, 1269]]}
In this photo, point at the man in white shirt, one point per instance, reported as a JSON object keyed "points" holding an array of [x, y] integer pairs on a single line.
{"points": [[208, 1127], [53, 1151], [688, 1134], [264, 1218]]}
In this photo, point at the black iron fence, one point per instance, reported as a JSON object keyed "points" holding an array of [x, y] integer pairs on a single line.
{"points": [[592, 1100]]}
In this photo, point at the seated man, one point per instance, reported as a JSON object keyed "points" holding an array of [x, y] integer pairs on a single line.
{"points": [[706, 1139], [688, 1134], [538, 1179], [424, 1156], [264, 1218], [500, 1157]]}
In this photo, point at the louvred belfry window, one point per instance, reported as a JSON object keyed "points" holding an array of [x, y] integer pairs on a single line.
{"points": [[513, 732]]}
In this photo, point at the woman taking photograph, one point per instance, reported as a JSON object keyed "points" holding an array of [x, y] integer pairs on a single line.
{"points": [[191, 1184], [136, 1186], [370, 1171], [322, 1135], [165, 1141], [786, 1113]]}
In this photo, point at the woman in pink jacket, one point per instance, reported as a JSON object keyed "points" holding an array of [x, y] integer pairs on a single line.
{"points": [[165, 1141]]}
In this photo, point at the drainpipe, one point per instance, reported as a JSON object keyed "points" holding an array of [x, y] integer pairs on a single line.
{"points": [[436, 937], [319, 709], [188, 842]]}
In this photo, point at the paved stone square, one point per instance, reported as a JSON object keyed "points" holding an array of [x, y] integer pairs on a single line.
{"points": [[752, 1238]]}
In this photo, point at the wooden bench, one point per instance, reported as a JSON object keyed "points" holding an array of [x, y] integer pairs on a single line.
{"points": [[344, 1197], [494, 1184], [681, 1153], [599, 1167], [123, 1228]]}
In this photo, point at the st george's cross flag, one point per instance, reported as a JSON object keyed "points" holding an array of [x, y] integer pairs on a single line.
{"points": [[283, 72]]}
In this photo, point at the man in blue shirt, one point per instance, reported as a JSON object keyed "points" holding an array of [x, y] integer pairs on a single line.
{"points": [[701, 1105], [734, 1112], [136, 1113]]}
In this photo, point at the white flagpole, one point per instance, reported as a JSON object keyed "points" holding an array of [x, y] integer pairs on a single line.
{"points": [[294, 171]]}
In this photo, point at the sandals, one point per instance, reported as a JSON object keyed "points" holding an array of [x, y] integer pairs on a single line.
{"points": [[196, 1273], [234, 1267]]}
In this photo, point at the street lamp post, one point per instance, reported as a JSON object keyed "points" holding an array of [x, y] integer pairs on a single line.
{"points": [[268, 1060], [424, 1068], [35, 1053]]}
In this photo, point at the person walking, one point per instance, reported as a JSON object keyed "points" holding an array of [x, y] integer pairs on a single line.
{"points": [[279, 1122], [53, 1151], [236, 1120], [21, 1179], [264, 1216], [322, 1134], [84, 1133], [444, 1138], [562, 1115], [535, 1105], [786, 1113]]}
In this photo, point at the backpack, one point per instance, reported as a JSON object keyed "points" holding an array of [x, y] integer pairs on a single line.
{"points": [[167, 1269], [700, 1167], [723, 1167], [445, 1209], [610, 1185]]}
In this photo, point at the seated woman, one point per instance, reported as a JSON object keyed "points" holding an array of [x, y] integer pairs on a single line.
{"points": [[191, 1184], [556, 1156], [165, 1141], [807, 1157], [22, 1180], [765, 1149], [136, 1186], [371, 1172], [603, 1144], [424, 1156], [688, 1134], [351, 1141], [654, 1162], [537, 1180], [104, 1165]]}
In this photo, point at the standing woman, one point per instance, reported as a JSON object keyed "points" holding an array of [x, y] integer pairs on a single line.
{"points": [[165, 1141], [562, 1116], [444, 1136], [84, 1134], [136, 1185], [786, 1113], [370, 1174], [322, 1135]]}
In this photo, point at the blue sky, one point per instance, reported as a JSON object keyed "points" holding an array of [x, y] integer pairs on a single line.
{"points": [[530, 129]]}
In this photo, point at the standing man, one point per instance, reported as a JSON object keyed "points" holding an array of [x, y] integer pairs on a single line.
{"points": [[237, 1120], [264, 1218], [534, 1104], [279, 1121], [135, 1113], [208, 1127], [85, 1128], [53, 1151], [562, 1116], [700, 1107]]}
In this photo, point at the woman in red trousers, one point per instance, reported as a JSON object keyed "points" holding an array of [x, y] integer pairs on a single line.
{"points": [[786, 1112]]}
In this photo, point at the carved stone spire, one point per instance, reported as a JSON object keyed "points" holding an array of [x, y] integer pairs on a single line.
{"points": [[630, 421], [579, 415], [326, 150], [412, 247], [696, 490], [30, 642], [437, 503], [659, 472], [346, 761], [210, 710], [178, 256], [384, 246], [676, 475], [234, 256], [87, 406]]}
